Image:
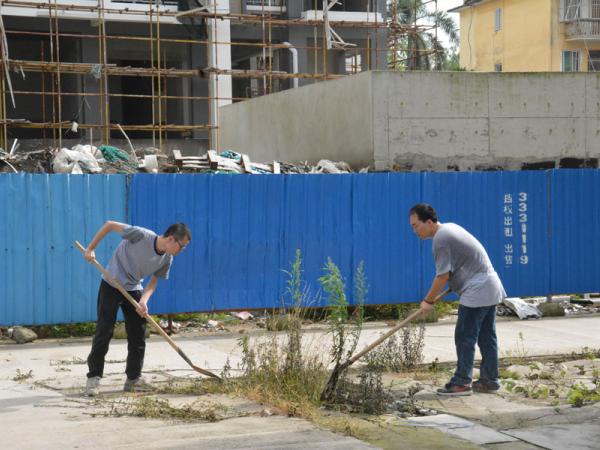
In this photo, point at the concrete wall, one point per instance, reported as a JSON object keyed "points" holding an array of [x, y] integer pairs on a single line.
{"points": [[467, 121], [326, 120], [424, 121]]}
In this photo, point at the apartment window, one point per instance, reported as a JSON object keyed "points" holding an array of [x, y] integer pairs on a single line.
{"points": [[594, 61], [498, 67], [498, 19], [572, 9], [570, 61], [595, 9]]}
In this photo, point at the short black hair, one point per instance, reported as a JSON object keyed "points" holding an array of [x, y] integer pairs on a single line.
{"points": [[179, 230], [424, 212]]}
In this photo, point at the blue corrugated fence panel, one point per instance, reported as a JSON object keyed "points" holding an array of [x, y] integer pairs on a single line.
{"points": [[507, 212], [246, 231], [318, 221], [43, 278], [382, 235], [235, 224], [575, 225]]}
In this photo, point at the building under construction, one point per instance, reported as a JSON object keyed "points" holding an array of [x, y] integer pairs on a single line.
{"points": [[93, 71]]}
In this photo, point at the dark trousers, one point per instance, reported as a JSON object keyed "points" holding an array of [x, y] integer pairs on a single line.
{"points": [[476, 326], [109, 300]]}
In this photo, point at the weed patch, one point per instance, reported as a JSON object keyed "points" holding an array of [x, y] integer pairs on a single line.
{"points": [[22, 376], [400, 352], [579, 395]]}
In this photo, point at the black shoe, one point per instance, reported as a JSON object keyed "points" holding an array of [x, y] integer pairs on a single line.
{"points": [[485, 388]]}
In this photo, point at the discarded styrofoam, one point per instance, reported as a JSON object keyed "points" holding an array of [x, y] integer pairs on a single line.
{"points": [[78, 160], [326, 166], [243, 315], [522, 309]]}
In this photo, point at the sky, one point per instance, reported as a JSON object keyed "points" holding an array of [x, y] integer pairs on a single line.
{"points": [[445, 5]]}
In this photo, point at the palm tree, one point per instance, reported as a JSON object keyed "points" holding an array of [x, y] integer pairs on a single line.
{"points": [[413, 35]]}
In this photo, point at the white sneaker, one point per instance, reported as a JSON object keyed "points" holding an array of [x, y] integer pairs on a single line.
{"points": [[137, 385], [92, 387]]}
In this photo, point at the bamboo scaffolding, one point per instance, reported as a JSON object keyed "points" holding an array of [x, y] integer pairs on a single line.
{"points": [[159, 72], [259, 45]]}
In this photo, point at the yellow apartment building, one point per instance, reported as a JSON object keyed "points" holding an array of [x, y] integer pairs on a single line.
{"points": [[530, 35]]}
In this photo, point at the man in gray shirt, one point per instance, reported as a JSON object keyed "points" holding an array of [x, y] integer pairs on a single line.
{"points": [[462, 263], [141, 253]]}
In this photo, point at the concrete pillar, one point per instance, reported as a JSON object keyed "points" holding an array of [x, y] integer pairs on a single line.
{"points": [[199, 86], [219, 57]]}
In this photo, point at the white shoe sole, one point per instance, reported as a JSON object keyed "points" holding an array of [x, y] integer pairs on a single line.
{"points": [[455, 394]]}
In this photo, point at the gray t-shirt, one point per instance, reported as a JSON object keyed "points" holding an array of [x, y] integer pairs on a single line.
{"points": [[472, 275], [136, 257]]}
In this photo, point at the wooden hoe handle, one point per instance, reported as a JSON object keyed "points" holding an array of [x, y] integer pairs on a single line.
{"points": [[393, 330], [114, 283]]}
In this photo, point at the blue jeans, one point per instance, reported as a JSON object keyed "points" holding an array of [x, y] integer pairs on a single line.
{"points": [[476, 326]]}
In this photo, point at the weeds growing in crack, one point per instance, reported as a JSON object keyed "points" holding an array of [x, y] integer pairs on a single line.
{"points": [[519, 354], [281, 371], [296, 298], [22, 376], [345, 328], [580, 395], [155, 408], [368, 395], [402, 351], [277, 369]]}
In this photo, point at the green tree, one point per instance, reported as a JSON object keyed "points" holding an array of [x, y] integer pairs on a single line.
{"points": [[414, 42]]}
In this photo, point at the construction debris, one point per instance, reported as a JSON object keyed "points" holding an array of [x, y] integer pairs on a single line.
{"points": [[243, 315], [522, 309], [233, 162], [77, 160], [108, 159], [225, 162]]}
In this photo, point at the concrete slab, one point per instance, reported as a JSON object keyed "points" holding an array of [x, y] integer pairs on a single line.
{"points": [[462, 428], [34, 418], [48, 411], [574, 436]]}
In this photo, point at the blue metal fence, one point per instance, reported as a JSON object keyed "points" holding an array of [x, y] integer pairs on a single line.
{"points": [[507, 212], [574, 231], [42, 277], [246, 231], [538, 227]]}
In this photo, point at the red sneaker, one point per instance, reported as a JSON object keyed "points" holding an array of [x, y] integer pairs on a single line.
{"points": [[455, 390]]}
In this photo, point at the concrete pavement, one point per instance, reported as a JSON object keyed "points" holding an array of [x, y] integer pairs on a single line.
{"points": [[46, 410]]}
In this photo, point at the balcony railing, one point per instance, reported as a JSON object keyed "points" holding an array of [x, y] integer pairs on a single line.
{"points": [[583, 29], [278, 3], [265, 6]]}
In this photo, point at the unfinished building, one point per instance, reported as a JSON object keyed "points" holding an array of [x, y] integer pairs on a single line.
{"points": [[81, 71]]}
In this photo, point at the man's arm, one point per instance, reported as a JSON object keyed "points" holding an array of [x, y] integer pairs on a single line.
{"points": [[437, 285], [148, 291], [109, 226]]}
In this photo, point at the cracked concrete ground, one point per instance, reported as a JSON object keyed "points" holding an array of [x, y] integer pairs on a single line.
{"points": [[41, 404]]}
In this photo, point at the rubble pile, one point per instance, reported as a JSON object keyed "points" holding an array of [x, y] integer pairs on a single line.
{"points": [[561, 305], [106, 159]]}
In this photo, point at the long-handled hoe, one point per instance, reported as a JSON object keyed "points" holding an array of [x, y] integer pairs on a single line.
{"points": [[340, 367], [152, 322]]}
